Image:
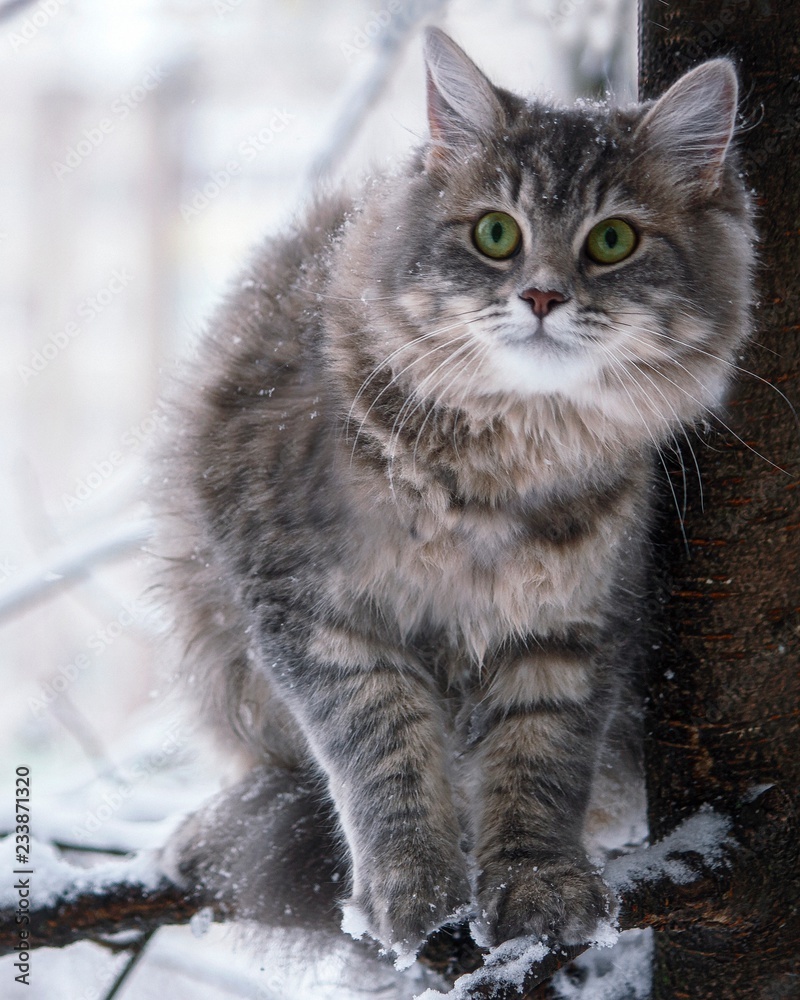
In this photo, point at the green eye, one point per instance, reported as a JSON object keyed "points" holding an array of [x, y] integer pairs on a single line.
{"points": [[611, 241], [497, 235]]}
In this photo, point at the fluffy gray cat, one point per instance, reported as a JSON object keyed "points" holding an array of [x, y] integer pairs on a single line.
{"points": [[411, 490]]}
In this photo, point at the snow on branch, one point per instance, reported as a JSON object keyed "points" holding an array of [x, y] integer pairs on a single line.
{"points": [[65, 903], [69, 904], [692, 864]]}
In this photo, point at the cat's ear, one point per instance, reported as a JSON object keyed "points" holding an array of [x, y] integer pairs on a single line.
{"points": [[692, 124], [462, 103]]}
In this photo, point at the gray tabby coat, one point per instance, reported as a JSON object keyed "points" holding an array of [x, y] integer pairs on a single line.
{"points": [[411, 489]]}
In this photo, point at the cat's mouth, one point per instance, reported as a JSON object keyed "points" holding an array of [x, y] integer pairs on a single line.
{"points": [[538, 336]]}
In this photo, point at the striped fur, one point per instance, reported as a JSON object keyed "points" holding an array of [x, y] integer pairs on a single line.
{"points": [[409, 528]]}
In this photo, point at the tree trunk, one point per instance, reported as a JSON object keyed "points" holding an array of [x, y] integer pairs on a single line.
{"points": [[725, 687]]}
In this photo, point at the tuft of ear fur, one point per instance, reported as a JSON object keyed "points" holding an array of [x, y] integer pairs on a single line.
{"points": [[692, 123], [462, 103]]}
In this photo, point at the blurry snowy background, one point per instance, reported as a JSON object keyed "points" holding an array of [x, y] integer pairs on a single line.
{"points": [[146, 145]]}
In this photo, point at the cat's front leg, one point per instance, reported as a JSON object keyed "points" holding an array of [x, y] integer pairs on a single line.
{"points": [[536, 752], [376, 729]]}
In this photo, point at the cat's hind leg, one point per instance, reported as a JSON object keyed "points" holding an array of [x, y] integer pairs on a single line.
{"points": [[266, 849]]}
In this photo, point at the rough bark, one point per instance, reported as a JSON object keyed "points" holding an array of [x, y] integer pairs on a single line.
{"points": [[725, 688]]}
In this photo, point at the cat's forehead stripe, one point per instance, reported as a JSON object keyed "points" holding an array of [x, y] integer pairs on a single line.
{"points": [[539, 148]]}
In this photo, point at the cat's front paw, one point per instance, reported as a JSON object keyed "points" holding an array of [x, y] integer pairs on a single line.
{"points": [[399, 905], [560, 897]]}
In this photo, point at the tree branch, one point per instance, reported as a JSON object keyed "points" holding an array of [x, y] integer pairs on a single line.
{"points": [[13, 7], [357, 104], [70, 563], [665, 883], [125, 906]]}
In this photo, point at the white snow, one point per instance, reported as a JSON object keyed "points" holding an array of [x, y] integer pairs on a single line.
{"points": [[605, 935], [354, 921], [505, 965], [406, 957], [54, 878], [705, 833], [201, 921], [611, 974]]}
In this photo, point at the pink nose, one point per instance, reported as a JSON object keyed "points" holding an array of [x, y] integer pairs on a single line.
{"points": [[542, 302]]}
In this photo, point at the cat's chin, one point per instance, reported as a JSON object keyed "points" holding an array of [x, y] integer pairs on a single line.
{"points": [[534, 367]]}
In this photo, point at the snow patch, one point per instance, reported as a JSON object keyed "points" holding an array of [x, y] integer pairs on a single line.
{"points": [[55, 879], [622, 971], [406, 956], [201, 921], [510, 961], [354, 921], [504, 966], [479, 931], [756, 791], [705, 833], [605, 935]]}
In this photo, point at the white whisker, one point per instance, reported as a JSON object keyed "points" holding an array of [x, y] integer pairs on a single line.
{"points": [[716, 357], [447, 344], [616, 367], [676, 446], [477, 349], [407, 410], [467, 387], [404, 347], [712, 414]]}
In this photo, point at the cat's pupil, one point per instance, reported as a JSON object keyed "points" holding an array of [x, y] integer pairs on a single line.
{"points": [[497, 232], [611, 237]]}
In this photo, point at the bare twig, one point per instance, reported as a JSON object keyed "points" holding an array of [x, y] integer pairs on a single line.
{"points": [[13, 7], [71, 563], [358, 103], [44, 536], [137, 951]]}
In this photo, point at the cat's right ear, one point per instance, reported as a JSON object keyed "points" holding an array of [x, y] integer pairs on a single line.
{"points": [[692, 124], [462, 104]]}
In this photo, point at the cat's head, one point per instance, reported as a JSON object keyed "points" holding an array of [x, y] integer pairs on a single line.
{"points": [[596, 255]]}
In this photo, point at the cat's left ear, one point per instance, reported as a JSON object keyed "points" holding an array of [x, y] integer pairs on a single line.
{"points": [[462, 103], [692, 124]]}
